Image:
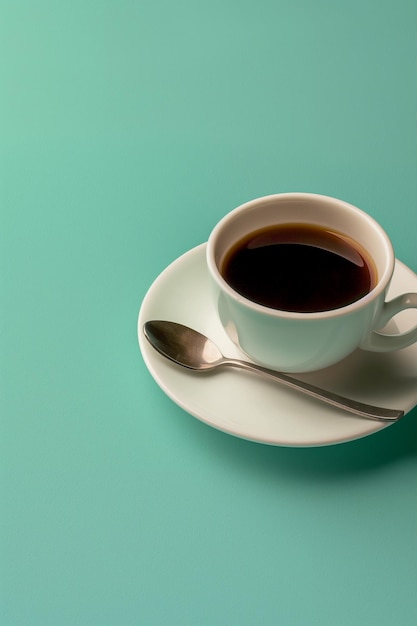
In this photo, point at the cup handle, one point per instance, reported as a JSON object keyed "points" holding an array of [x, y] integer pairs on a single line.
{"points": [[378, 341]]}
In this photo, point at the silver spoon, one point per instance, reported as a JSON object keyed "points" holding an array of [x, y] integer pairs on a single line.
{"points": [[191, 349]]}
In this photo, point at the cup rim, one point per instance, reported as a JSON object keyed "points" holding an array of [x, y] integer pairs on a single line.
{"points": [[383, 280]]}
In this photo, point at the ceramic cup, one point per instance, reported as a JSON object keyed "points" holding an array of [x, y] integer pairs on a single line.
{"points": [[302, 342]]}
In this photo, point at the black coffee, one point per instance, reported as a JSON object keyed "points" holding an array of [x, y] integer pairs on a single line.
{"points": [[300, 268]]}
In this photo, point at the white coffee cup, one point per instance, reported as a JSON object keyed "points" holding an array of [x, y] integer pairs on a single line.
{"points": [[302, 342]]}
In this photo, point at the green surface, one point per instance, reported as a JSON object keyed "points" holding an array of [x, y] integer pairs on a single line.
{"points": [[127, 129]]}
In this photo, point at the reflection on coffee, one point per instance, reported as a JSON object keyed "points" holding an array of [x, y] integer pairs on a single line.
{"points": [[300, 268]]}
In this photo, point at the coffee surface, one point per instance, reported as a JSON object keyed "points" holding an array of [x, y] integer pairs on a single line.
{"points": [[300, 268]]}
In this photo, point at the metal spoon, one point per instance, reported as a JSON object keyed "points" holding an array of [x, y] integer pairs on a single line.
{"points": [[191, 349]]}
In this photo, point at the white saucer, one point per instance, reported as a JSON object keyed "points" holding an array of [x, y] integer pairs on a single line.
{"points": [[245, 405]]}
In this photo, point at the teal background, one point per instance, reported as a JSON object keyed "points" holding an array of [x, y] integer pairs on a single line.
{"points": [[128, 128]]}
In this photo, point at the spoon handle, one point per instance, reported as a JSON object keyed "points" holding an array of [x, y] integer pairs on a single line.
{"points": [[353, 406]]}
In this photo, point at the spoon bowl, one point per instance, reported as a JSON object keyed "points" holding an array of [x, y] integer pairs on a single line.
{"points": [[183, 345]]}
